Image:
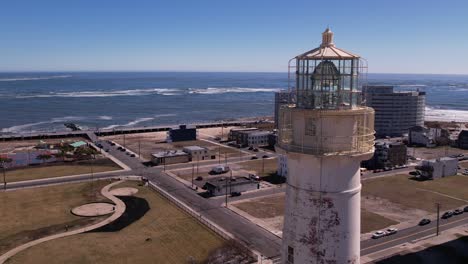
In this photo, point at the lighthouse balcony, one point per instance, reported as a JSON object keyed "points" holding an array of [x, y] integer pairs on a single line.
{"points": [[326, 132]]}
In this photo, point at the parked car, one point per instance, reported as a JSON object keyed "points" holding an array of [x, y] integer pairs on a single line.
{"points": [[465, 209], [107, 150], [112, 144], [254, 158], [447, 214], [251, 148], [119, 147], [123, 150], [265, 156], [255, 149], [458, 211], [379, 234], [234, 194], [391, 231], [132, 155], [199, 178], [424, 221]]}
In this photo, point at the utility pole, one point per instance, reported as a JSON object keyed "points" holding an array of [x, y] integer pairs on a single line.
{"points": [[438, 218], [4, 175], [193, 171], [263, 166], [226, 192]]}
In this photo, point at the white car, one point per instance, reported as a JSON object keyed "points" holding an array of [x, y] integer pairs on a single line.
{"points": [[379, 234], [391, 231]]}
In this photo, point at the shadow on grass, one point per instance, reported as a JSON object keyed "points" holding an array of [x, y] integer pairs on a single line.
{"points": [[450, 252], [136, 209]]}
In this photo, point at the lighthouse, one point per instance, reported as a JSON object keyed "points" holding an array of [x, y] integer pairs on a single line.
{"points": [[324, 133]]}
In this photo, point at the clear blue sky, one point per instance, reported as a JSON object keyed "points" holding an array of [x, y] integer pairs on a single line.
{"points": [[411, 36]]}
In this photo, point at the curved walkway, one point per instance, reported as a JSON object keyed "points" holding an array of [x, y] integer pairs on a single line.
{"points": [[119, 210]]}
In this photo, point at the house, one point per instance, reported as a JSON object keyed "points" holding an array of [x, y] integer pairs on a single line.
{"points": [[463, 139], [387, 155], [438, 168], [221, 186], [169, 157], [198, 153], [183, 133], [428, 137]]}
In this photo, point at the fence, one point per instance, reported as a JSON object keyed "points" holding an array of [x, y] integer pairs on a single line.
{"points": [[192, 212]]}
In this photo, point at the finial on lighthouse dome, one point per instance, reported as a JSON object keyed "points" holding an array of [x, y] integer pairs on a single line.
{"points": [[327, 38]]}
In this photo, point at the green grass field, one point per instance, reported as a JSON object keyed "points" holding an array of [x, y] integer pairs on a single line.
{"points": [[28, 214], [164, 235], [58, 170], [415, 194]]}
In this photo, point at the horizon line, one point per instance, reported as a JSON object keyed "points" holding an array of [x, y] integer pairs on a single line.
{"points": [[196, 71]]}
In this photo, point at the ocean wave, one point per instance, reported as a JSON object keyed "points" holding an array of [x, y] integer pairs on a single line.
{"points": [[35, 78], [134, 92], [215, 90], [29, 126], [131, 123], [105, 117], [434, 114]]}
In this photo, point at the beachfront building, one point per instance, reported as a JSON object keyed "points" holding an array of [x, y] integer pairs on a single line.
{"points": [[235, 133], [254, 138], [395, 112], [438, 168], [198, 153], [182, 133], [325, 135], [169, 157]]}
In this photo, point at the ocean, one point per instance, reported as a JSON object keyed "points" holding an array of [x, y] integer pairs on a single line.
{"points": [[32, 102]]}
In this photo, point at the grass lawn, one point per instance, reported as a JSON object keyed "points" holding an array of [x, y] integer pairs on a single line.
{"points": [[60, 169], [272, 206], [28, 214], [401, 190], [165, 234], [371, 221]]}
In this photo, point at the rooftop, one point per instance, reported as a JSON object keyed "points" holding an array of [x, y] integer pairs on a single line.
{"points": [[169, 153], [194, 148], [327, 50]]}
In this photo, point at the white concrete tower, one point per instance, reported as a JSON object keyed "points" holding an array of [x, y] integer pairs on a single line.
{"points": [[324, 134]]}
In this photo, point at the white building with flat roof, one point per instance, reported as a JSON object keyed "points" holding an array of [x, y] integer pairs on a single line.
{"points": [[197, 152], [438, 168]]}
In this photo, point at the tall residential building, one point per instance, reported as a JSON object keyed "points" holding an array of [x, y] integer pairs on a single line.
{"points": [[281, 98], [395, 112], [325, 135]]}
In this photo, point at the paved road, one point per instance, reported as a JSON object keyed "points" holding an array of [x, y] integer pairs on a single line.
{"points": [[252, 235], [411, 234]]}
